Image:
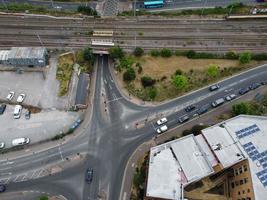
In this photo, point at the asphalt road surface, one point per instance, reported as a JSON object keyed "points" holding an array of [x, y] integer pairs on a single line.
{"points": [[108, 137]]}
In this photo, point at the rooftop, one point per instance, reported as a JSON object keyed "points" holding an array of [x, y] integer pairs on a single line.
{"points": [[27, 52]]}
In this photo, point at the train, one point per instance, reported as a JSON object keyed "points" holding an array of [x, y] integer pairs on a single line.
{"points": [[154, 4]]}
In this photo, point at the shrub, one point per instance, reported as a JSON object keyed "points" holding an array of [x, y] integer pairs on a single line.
{"points": [[213, 71], [241, 108], [138, 51], [147, 81], [178, 72], [126, 62], [191, 54], [260, 56], [86, 10], [116, 52], [152, 92], [245, 57], [43, 198], [88, 55], [166, 52], [129, 75], [180, 81], [154, 53], [231, 55], [181, 53]]}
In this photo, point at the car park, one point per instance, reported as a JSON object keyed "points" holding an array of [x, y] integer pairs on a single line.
{"points": [[244, 90], [254, 86], [2, 145], [162, 129], [17, 111], [20, 141], [28, 114], [217, 102], [183, 118], [89, 175], [230, 97], [2, 108], [162, 121], [214, 87], [10, 95], [190, 108], [2, 188], [21, 98]]}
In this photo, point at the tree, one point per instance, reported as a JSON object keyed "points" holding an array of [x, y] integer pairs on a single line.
{"points": [[213, 71], [180, 81], [147, 81], [154, 53], [241, 108], [138, 51], [129, 74], [116, 52], [191, 54], [244, 57], [86, 10], [166, 52], [231, 55], [178, 72], [88, 55], [43, 198]]}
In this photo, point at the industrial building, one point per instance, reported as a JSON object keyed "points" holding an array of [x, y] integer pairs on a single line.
{"points": [[228, 161], [24, 56]]}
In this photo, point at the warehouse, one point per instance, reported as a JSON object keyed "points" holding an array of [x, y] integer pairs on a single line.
{"points": [[25, 56]]}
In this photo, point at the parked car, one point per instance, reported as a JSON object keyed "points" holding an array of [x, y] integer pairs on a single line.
{"points": [[17, 111], [230, 97], [10, 95], [89, 175], [244, 90], [183, 118], [21, 98], [20, 141], [2, 145], [190, 108], [2, 188], [214, 87], [264, 82], [217, 102], [162, 121], [162, 129], [28, 114], [2, 108], [254, 86], [203, 109]]}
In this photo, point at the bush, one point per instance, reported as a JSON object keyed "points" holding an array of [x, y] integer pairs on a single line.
{"points": [[86, 10], [140, 69], [191, 54], [213, 71], [166, 52], [241, 108], [180, 81], [88, 55], [152, 92], [129, 75], [138, 51], [154, 53], [244, 57], [178, 72], [181, 53], [260, 56], [231, 55], [116, 52], [126, 62], [44, 198], [147, 81]]}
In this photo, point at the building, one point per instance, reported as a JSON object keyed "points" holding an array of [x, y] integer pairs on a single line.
{"points": [[226, 161], [24, 56]]}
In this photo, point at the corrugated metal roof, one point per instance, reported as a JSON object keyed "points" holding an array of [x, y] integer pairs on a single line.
{"points": [[27, 52]]}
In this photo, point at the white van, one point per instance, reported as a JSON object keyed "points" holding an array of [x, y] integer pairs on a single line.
{"points": [[17, 111], [20, 141]]}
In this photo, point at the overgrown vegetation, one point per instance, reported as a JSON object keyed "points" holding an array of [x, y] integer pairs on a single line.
{"points": [[251, 107], [195, 130], [138, 51], [44, 198], [64, 72], [85, 58], [87, 10]]}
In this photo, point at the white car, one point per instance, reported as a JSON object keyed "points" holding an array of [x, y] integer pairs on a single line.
{"points": [[21, 98], [10, 95], [162, 129], [20, 141], [162, 121], [230, 97], [2, 145]]}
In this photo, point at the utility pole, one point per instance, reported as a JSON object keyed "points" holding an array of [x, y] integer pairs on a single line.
{"points": [[40, 39], [52, 3]]}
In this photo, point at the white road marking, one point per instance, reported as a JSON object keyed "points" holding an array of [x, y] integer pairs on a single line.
{"points": [[109, 86], [116, 99], [105, 81], [124, 195], [59, 149]]}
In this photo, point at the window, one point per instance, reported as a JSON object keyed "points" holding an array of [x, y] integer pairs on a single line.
{"points": [[248, 198], [248, 191], [240, 170], [245, 180], [245, 168], [241, 182], [236, 183], [238, 192], [233, 185], [236, 172], [243, 191]]}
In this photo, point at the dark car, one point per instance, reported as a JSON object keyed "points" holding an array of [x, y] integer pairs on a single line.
{"points": [[214, 87], [2, 188], [264, 82], [28, 114], [203, 109], [2, 108], [190, 108], [244, 90], [183, 118], [254, 86], [89, 175]]}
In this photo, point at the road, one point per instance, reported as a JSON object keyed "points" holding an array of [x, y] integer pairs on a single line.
{"points": [[108, 137]]}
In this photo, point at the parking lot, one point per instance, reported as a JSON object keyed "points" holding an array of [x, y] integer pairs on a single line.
{"points": [[39, 127], [39, 92]]}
